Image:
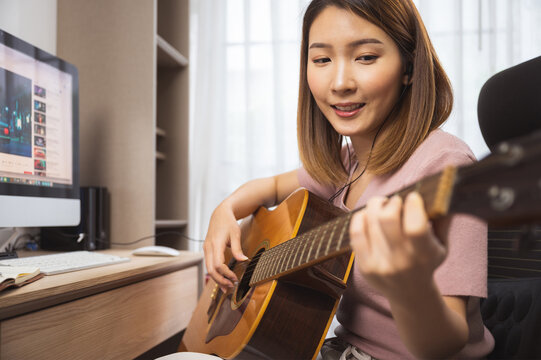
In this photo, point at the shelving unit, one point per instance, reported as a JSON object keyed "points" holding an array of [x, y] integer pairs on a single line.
{"points": [[170, 224], [168, 56], [134, 109], [172, 113]]}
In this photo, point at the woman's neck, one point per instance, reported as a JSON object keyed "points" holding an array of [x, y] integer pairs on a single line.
{"points": [[362, 146]]}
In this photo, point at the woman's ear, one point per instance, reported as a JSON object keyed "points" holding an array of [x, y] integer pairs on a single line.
{"points": [[408, 73]]}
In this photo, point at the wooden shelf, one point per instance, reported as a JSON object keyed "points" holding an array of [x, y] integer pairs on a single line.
{"points": [[160, 156], [171, 45], [168, 56], [168, 224], [161, 132]]}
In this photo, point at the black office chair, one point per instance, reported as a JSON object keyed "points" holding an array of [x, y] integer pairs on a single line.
{"points": [[512, 310], [510, 106]]}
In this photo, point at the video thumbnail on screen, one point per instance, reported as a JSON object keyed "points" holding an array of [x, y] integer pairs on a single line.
{"points": [[15, 114]]}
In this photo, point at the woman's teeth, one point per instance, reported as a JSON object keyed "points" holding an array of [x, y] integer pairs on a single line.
{"points": [[347, 107]]}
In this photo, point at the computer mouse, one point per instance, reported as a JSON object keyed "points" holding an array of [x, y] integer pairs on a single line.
{"points": [[156, 251]]}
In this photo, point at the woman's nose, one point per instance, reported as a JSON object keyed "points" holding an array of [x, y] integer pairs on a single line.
{"points": [[343, 79]]}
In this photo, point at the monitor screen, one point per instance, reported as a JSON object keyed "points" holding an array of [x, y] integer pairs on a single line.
{"points": [[39, 184]]}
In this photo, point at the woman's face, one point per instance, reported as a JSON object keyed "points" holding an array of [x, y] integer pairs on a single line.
{"points": [[354, 72]]}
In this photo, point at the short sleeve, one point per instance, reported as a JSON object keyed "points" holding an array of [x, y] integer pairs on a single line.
{"points": [[464, 271], [321, 190], [307, 182]]}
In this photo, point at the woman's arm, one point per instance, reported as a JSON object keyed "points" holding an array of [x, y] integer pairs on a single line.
{"points": [[224, 230], [397, 252], [431, 325]]}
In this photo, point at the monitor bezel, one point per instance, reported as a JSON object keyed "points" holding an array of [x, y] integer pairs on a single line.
{"points": [[64, 192]]}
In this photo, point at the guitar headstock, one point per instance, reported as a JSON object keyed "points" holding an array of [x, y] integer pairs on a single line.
{"points": [[505, 187]]}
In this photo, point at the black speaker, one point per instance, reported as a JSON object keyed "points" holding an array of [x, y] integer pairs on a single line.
{"points": [[92, 233]]}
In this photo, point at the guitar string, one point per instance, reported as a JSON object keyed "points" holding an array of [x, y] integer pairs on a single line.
{"points": [[428, 185], [285, 248], [280, 249]]}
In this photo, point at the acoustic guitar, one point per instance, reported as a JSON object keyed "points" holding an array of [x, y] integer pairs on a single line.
{"points": [[300, 257]]}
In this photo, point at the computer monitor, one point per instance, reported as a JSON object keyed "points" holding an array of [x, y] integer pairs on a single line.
{"points": [[39, 137]]}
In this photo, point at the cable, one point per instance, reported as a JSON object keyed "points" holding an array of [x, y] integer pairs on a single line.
{"points": [[155, 236], [341, 190], [76, 237]]}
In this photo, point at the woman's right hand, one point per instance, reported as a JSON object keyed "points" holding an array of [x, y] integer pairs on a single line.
{"points": [[223, 231]]}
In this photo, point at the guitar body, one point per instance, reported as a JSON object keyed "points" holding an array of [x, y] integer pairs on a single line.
{"points": [[286, 318], [288, 291]]}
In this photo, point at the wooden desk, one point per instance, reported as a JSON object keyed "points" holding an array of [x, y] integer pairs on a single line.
{"points": [[111, 312]]}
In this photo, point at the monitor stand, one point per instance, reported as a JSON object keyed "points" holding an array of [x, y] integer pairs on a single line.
{"points": [[9, 235]]}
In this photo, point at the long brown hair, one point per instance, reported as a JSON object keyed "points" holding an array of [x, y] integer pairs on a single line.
{"points": [[424, 105]]}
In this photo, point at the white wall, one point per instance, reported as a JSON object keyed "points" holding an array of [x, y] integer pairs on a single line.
{"points": [[33, 21]]}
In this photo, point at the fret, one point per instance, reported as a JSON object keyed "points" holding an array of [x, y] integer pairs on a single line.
{"points": [[275, 262], [262, 270], [305, 240], [289, 253], [297, 246], [261, 265], [345, 226], [320, 241], [292, 252], [299, 250], [329, 241], [330, 237], [256, 276], [287, 256], [281, 260], [312, 242], [268, 263], [276, 259]]}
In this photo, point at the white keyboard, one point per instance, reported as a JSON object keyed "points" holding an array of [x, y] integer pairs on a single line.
{"points": [[66, 262]]}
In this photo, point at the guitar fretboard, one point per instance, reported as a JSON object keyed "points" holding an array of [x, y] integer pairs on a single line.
{"points": [[332, 238], [307, 249]]}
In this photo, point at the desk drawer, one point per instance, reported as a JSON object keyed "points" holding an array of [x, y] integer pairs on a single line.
{"points": [[118, 324]]}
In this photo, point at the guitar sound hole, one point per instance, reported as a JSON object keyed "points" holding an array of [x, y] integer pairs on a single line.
{"points": [[244, 284]]}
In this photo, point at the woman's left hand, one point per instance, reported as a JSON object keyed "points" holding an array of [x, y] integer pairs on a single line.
{"points": [[395, 247]]}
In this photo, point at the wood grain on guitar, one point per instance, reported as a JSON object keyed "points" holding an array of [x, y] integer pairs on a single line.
{"points": [[300, 257]]}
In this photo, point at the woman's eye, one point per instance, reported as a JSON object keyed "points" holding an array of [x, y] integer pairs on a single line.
{"points": [[321, 60], [367, 58]]}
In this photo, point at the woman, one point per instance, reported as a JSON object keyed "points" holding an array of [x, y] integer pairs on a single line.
{"points": [[370, 74]]}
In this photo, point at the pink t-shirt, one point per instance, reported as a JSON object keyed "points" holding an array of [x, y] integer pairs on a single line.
{"points": [[364, 314]]}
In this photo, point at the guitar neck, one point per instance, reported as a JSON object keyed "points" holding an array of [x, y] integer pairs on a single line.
{"points": [[502, 189], [332, 238]]}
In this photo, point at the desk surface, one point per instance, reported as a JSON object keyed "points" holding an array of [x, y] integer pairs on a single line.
{"points": [[56, 289]]}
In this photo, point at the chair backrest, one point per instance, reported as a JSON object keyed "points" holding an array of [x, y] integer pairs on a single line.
{"points": [[509, 103], [510, 106], [512, 313]]}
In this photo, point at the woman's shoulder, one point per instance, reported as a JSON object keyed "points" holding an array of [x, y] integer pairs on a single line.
{"points": [[442, 146], [438, 150], [440, 141]]}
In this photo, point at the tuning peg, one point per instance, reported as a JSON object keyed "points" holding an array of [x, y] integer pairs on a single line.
{"points": [[514, 152], [501, 198]]}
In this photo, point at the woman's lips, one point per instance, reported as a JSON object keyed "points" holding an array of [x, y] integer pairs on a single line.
{"points": [[347, 109]]}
